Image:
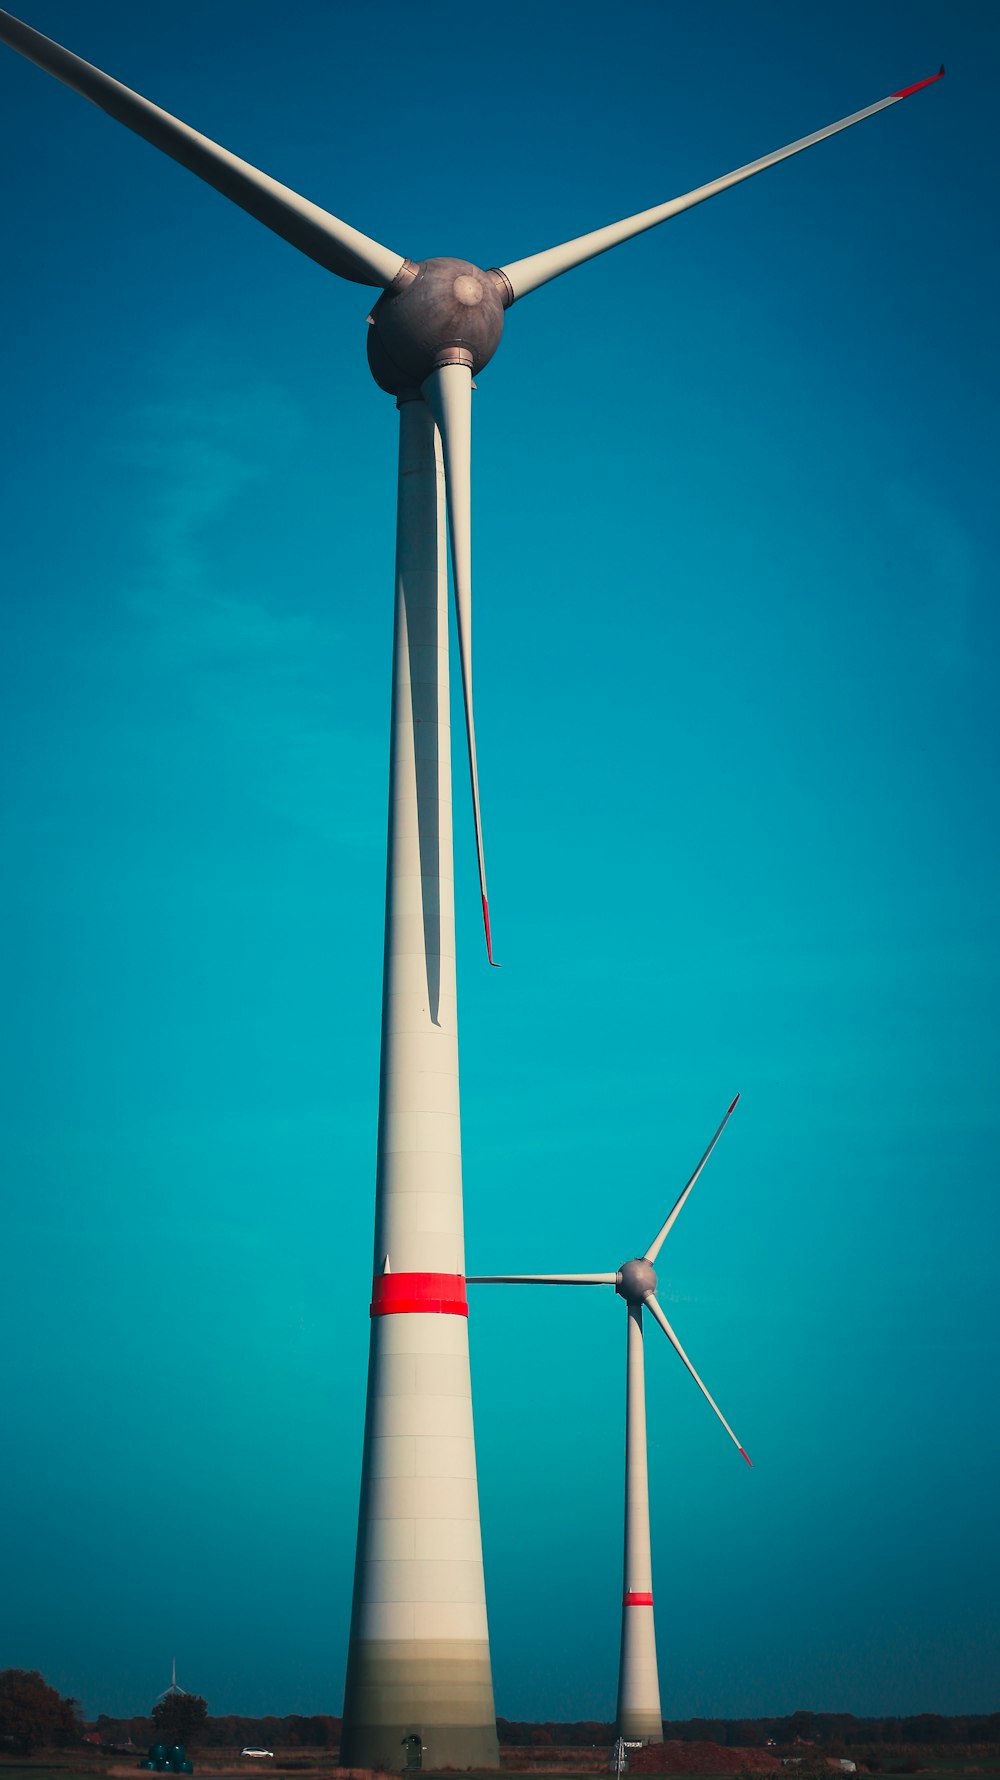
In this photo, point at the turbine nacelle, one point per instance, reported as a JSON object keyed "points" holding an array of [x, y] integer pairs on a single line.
{"points": [[636, 1280], [434, 312]]}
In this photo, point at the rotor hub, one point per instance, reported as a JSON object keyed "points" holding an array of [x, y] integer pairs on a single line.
{"points": [[636, 1280], [437, 312]]}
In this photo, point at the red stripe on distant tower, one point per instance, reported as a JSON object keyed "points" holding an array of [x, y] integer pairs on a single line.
{"points": [[905, 92], [631, 1598], [438, 1293]]}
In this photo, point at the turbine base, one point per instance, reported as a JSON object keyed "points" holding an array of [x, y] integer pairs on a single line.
{"points": [[639, 1726], [439, 1689]]}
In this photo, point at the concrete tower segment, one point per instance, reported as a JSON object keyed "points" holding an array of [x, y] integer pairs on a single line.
{"points": [[638, 1714], [419, 1660]]}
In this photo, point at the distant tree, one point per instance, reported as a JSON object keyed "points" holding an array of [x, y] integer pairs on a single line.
{"points": [[813, 1766], [706, 1730], [513, 1732], [32, 1713], [180, 1718], [800, 1727], [325, 1730], [927, 1727]]}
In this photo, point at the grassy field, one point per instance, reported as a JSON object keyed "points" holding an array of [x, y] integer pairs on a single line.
{"points": [[319, 1764], [324, 1769]]}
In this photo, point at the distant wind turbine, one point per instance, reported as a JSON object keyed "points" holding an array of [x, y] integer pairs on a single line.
{"points": [[639, 1714], [419, 1661], [173, 1689]]}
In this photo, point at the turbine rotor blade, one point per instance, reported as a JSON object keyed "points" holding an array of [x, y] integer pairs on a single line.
{"points": [[541, 1279], [448, 394], [324, 238], [658, 1240], [654, 1309], [527, 274]]}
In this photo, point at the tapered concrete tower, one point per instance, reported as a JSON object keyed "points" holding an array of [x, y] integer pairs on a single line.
{"points": [[638, 1714], [419, 1662]]}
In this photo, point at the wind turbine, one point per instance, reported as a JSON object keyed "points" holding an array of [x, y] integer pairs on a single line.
{"points": [[169, 1692], [638, 1714], [419, 1659]]}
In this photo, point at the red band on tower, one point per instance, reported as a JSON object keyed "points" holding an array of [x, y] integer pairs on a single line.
{"points": [[631, 1598], [437, 1293]]}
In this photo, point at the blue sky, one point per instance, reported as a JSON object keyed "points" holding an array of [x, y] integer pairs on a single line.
{"points": [[736, 643]]}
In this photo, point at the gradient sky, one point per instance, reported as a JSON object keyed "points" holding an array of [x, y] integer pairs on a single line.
{"points": [[736, 645]]}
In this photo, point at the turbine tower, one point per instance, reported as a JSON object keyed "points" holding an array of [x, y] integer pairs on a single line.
{"points": [[638, 1713], [419, 1661]]}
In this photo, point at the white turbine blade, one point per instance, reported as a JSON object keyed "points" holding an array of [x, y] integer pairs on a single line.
{"points": [[659, 1239], [448, 393], [542, 1279], [652, 1306], [313, 231], [527, 274]]}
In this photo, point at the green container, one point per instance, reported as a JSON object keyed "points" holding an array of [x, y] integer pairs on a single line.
{"points": [[162, 1765], [187, 1767], [177, 1752], [157, 1751], [145, 1764]]}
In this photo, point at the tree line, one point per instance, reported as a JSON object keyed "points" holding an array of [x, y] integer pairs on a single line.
{"points": [[230, 1730], [34, 1715], [827, 1729]]}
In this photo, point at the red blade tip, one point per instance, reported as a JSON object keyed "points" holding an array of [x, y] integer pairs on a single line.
{"points": [[489, 942], [749, 1460], [731, 1107], [904, 92]]}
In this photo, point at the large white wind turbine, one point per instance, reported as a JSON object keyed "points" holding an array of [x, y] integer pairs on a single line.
{"points": [[419, 1656], [639, 1714]]}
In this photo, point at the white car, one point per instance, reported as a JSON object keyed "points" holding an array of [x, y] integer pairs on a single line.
{"points": [[269, 1752]]}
